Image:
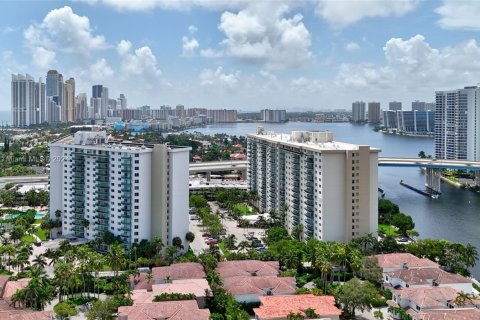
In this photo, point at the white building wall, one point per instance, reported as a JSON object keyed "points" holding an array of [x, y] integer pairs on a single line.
{"points": [[333, 194], [56, 180], [178, 219]]}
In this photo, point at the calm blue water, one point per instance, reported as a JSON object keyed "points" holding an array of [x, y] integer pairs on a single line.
{"points": [[455, 216]]}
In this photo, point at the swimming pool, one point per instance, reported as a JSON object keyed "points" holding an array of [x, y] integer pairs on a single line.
{"points": [[38, 215]]}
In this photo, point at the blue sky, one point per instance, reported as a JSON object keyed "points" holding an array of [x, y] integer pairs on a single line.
{"points": [[246, 54]]}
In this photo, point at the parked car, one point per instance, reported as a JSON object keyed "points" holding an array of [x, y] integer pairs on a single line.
{"points": [[206, 234], [212, 241], [261, 249], [194, 218]]}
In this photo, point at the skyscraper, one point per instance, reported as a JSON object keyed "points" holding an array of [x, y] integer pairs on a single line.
{"points": [[105, 100], [23, 92], [40, 101], [122, 101], [328, 187], [269, 115], [457, 124], [97, 91], [358, 111], [374, 112], [418, 106], [68, 110], [55, 86], [81, 110], [395, 106]]}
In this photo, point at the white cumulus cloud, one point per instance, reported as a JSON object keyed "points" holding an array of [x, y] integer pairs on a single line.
{"points": [[459, 15], [210, 53], [143, 5], [189, 45], [341, 14], [139, 62], [352, 46], [218, 78], [261, 34], [192, 29]]}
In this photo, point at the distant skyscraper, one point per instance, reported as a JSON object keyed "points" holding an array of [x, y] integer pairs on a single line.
{"points": [[273, 115], [418, 105], [95, 108], [358, 111], [55, 86], [40, 101], [81, 110], [374, 112], [53, 110], [105, 101], [97, 91], [68, 110], [123, 102], [395, 106], [457, 124], [23, 88]]}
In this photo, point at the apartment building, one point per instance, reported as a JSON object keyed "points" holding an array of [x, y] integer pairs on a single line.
{"points": [[457, 124], [358, 111], [134, 191], [374, 112], [328, 187], [276, 116]]}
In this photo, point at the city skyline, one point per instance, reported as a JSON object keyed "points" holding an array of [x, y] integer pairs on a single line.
{"points": [[308, 55]]}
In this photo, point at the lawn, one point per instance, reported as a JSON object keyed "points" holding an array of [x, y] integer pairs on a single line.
{"points": [[27, 239], [41, 233], [242, 209], [225, 251], [387, 230]]}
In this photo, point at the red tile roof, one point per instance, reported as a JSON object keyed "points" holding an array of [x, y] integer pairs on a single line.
{"points": [[428, 297], [397, 260], [247, 267], [188, 270], [25, 315], [449, 314], [425, 276], [275, 307], [11, 287], [195, 286], [242, 285], [3, 282], [171, 310]]}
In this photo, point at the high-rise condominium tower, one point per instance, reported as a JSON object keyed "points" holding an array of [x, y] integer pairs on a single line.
{"points": [[358, 111], [395, 106], [68, 111], [55, 87], [327, 187], [457, 124], [134, 191], [374, 112], [28, 101]]}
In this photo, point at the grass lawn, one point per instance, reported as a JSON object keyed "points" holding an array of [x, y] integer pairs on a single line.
{"points": [[38, 221], [225, 252], [388, 230], [5, 272], [41, 233], [242, 209], [27, 239]]}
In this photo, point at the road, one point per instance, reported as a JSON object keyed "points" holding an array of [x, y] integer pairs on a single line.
{"points": [[23, 179]]}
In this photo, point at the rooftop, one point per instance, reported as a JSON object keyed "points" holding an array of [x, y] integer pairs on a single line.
{"points": [[428, 297], [171, 310], [449, 314], [11, 287], [399, 260], [313, 140], [25, 315], [279, 307], [248, 268], [188, 270], [259, 285], [427, 275], [196, 286]]}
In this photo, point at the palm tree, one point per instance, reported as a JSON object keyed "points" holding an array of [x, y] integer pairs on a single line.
{"points": [[243, 245], [39, 261], [116, 258]]}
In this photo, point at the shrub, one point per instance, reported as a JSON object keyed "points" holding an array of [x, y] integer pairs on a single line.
{"points": [[65, 309], [174, 296]]}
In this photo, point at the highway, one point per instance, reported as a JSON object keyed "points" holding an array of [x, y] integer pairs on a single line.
{"points": [[23, 179]]}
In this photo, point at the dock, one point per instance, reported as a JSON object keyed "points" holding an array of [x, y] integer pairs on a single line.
{"points": [[422, 192]]}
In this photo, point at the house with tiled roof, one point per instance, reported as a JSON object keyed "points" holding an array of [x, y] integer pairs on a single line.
{"points": [[248, 268], [176, 271], [426, 277], [198, 287], [278, 308], [171, 310], [251, 288], [447, 314], [25, 315], [11, 287], [390, 262]]}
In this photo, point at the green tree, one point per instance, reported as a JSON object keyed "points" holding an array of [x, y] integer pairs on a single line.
{"points": [[422, 154], [370, 270], [190, 236], [356, 295], [378, 314], [275, 234], [386, 210], [102, 310], [64, 310], [403, 222]]}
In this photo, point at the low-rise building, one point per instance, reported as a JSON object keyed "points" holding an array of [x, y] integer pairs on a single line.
{"points": [[426, 277], [397, 261], [250, 288], [447, 314], [176, 271], [420, 299], [248, 268], [278, 308], [171, 310], [197, 287]]}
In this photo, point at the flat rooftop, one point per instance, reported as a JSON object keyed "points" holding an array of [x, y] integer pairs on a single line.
{"points": [[308, 141]]}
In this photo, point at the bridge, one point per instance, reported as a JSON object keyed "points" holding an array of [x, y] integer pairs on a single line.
{"points": [[432, 166]]}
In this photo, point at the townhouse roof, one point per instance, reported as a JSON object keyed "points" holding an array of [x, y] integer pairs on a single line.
{"points": [[25, 315], [248, 268], [428, 297], [275, 307], [188, 270], [259, 285], [427, 275], [399, 260], [11, 287], [171, 310], [3, 282], [197, 287], [449, 314]]}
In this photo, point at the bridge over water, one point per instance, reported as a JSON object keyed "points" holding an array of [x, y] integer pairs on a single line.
{"points": [[432, 166]]}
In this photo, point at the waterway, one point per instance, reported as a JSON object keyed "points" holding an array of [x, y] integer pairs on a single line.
{"points": [[454, 216]]}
